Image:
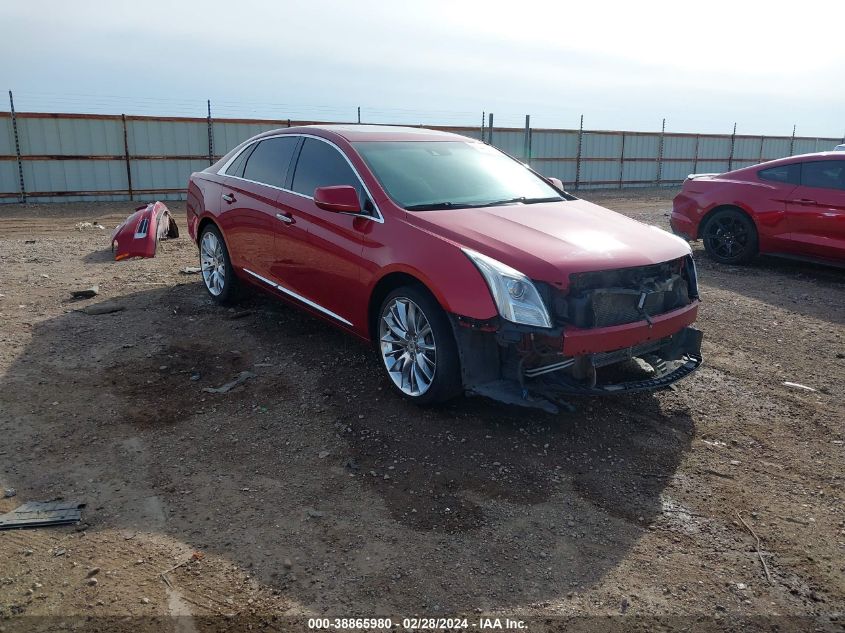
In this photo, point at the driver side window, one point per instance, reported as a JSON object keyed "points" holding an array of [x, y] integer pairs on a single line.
{"points": [[321, 165]]}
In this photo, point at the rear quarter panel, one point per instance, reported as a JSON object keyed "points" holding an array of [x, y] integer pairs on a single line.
{"points": [[764, 202]]}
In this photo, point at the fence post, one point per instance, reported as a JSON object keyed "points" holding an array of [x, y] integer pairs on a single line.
{"points": [[622, 161], [359, 114], [792, 142], [483, 114], [210, 136], [733, 144], [490, 129], [526, 141], [762, 140], [660, 154], [17, 147], [578, 155], [695, 158], [126, 157]]}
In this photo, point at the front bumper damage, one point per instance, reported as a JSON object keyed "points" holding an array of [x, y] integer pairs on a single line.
{"points": [[526, 367]]}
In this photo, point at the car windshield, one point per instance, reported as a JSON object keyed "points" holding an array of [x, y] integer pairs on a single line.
{"points": [[429, 175]]}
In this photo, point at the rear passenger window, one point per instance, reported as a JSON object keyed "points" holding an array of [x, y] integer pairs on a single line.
{"points": [[269, 162], [236, 168], [782, 173], [321, 165], [826, 174]]}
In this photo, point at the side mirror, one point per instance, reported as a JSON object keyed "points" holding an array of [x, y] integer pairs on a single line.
{"points": [[556, 182], [340, 199]]}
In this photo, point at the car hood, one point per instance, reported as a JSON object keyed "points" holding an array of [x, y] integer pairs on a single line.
{"points": [[550, 241]]}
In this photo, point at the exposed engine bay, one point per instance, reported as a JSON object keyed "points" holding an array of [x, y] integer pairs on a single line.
{"points": [[530, 367]]}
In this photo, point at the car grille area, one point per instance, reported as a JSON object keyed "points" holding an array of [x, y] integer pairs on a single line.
{"points": [[627, 295]]}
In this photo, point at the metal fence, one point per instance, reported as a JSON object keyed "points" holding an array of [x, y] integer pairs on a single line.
{"points": [[47, 157]]}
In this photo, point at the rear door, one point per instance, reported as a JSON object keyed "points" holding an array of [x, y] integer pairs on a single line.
{"points": [[330, 269], [816, 210], [251, 187]]}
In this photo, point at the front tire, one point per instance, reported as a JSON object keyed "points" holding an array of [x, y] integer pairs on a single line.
{"points": [[216, 267], [730, 237], [417, 347]]}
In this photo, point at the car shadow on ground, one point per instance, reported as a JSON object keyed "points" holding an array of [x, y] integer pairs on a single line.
{"points": [[802, 287], [313, 460]]}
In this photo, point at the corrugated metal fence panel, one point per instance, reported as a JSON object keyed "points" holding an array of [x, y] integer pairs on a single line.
{"points": [[554, 144], [639, 172], [510, 141], [601, 145], [746, 149], [642, 145], [565, 170], [808, 145], [8, 168], [160, 175], [678, 146], [676, 170], [47, 136], [7, 136], [166, 138], [775, 148], [74, 175]]}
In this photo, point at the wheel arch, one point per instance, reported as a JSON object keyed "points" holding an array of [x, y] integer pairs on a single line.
{"points": [[205, 221], [724, 207], [383, 287]]}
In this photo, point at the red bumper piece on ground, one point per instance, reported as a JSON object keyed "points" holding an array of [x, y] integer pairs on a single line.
{"points": [[139, 234]]}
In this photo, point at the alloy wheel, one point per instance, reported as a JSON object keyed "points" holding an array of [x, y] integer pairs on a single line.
{"points": [[407, 346], [212, 263], [727, 237]]}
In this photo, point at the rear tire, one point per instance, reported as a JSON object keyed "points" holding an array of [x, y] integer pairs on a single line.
{"points": [[417, 346], [216, 269], [730, 237]]}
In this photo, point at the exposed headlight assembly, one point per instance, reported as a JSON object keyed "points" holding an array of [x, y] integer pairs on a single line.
{"points": [[515, 295]]}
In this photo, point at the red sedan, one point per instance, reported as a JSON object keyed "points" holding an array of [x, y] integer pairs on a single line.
{"points": [[793, 207], [466, 269]]}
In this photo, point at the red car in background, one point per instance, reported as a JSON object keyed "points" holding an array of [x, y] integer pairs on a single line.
{"points": [[467, 270], [793, 207]]}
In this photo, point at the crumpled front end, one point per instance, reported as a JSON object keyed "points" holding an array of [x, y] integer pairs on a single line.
{"points": [[615, 331], [139, 234]]}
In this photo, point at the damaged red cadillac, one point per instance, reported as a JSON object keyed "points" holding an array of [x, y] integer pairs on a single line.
{"points": [[468, 271]]}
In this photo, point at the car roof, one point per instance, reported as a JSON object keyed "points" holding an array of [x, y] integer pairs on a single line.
{"points": [[353, 132], [797, 158]]}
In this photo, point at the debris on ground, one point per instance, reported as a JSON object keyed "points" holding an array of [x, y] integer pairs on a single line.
{"points": [[102, 308], [8, 493], [314, 513], [42, 514], [84, 226], [93, 291], [242, 378], [191, 270], [239, 315], [798, 385], [139, 234]]}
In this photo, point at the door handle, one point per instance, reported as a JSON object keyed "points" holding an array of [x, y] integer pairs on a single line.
{"points": [[805, 201], [287, 219], [228, 197]]}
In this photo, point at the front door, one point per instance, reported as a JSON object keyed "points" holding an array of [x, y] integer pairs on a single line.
{"points": [[816, 210], [330, 272]]}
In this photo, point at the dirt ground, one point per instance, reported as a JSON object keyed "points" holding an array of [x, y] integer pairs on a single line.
{"points": [[312, 490]]}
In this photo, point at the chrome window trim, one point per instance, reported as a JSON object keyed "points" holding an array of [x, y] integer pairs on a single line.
{"points": [[377, 218], [299, 297]]}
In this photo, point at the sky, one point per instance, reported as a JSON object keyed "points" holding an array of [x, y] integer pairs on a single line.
{"points": [[623, 65]]}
